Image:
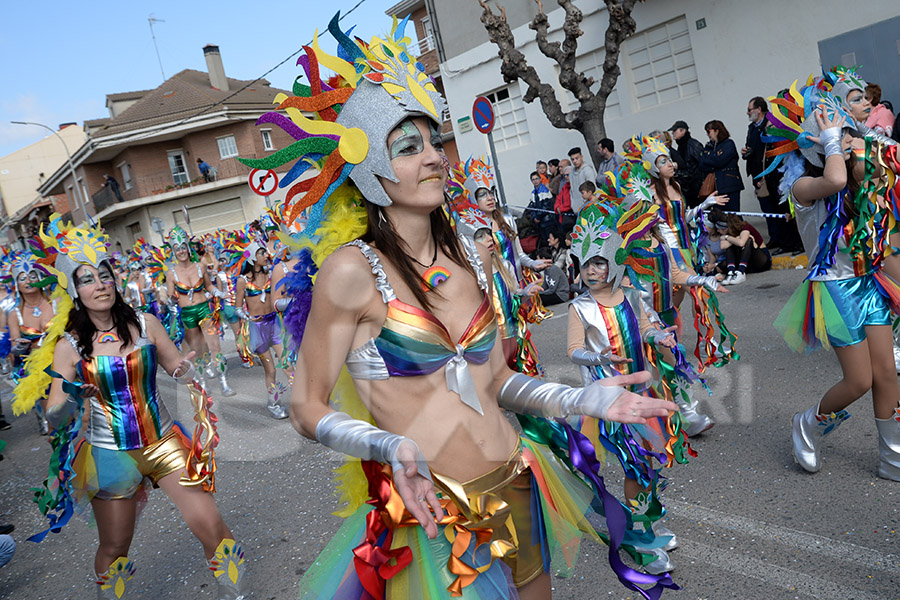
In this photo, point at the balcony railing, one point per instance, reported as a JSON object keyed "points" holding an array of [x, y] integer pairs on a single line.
{"points": [[160, 181], [424, 45]]}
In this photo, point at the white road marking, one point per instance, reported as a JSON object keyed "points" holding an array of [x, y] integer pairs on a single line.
{"points": [[788, 579], [844, 551]]}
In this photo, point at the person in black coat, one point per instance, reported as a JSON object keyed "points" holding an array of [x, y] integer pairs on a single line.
{"points": [[720, 157], [688, 172], [783, 234]]}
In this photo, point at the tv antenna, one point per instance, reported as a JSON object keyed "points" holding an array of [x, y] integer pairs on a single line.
{"points": [[151, 19]]}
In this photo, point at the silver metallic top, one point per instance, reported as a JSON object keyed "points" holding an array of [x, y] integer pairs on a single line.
{"points": [[809, 222]]}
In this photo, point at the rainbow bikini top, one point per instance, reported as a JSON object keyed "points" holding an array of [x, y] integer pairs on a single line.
{"points": [[29, 333], [414, 342], [254, 290], [186, 290], [129, 413]]}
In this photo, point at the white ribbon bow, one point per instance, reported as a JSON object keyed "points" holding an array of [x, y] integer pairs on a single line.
{"points": [[459, 380]]}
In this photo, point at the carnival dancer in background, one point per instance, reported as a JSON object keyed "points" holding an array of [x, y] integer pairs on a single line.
{"points": [[431, 381], [254, 290], [140, 292], [28, 319], [7, 304], [844, 303], [608, 328], [881, 154], [655, 273], [104, 361], [682, 231], [187, 285], [469, 180]]}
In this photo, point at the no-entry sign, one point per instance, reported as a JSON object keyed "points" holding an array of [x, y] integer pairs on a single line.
{"points": [[483, 114], [263, 181]]}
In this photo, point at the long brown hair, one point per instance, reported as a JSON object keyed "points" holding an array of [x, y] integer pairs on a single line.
{"points": [[502, 225], [380, 232], [659, 188]]}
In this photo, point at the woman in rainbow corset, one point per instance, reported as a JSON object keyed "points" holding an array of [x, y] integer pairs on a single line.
{"points": [[103, 357], [28, 319], [402, 371], [253, 289], [187, 285]]}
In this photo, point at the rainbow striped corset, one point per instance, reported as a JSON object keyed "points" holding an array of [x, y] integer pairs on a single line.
{"points": [[128, 414]]}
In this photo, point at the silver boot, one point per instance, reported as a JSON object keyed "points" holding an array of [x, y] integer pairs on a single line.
{"points": [[221, 367], [230, 569], [695, 423], [208, 368], [809, 427], [662, 563], [889, 447], [277, 394], [661, 531]]}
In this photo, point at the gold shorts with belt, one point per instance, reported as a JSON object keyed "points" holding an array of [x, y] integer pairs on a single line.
{"points": [[511, 484]]}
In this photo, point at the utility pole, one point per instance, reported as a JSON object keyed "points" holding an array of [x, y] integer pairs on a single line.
{"points": [[151, 19]]}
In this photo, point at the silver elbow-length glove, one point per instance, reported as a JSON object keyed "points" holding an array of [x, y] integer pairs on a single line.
{"points": [[282, 303], [63, 413], [339, 431], [589, 358], [528, 396], [707, 281]]}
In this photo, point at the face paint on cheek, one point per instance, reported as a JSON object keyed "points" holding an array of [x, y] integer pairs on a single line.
{"points": [[409, 143]]}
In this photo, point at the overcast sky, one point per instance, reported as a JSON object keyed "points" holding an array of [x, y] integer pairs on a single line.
{"points": [[60, 59]]}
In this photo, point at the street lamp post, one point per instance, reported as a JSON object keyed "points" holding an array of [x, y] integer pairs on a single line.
{"points": [[79, 201]]}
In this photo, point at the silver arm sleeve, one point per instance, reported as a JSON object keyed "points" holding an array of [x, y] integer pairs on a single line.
{"points": [[580, 356], [707, 281], [878, 137], [219, 293], [281, 304], [831, 140], [242, 314], [526, 261], [61, 414], [528, 396], [186, 377], [646, 299], [339, 431]]}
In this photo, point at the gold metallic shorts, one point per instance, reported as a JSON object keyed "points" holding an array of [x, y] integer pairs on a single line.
{"points": [[511, 482], [161, 458]]}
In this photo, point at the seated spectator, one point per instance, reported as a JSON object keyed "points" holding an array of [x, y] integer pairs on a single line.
{"points": [[745, 251], [7, 544], [609, 160], [555, 285], [881, 118], [559, 253]]}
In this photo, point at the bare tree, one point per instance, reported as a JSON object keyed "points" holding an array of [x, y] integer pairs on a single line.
{"points": [[588, 117]]}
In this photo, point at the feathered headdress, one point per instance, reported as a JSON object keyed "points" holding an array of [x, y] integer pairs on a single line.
{"points": [[73, 247], [614, 233], [843, 80], [378, 85], [791, 123], [646, 150]]}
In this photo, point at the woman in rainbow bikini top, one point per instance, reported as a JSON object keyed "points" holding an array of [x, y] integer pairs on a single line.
{"points": [[188, 286], [253, 289]]}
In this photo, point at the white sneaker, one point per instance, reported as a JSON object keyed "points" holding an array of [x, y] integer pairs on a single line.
{"points": [[728, 278], [738, 278]]}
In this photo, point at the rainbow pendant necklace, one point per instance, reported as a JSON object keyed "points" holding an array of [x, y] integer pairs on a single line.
{"points": [[434, 276], [107, 335]]}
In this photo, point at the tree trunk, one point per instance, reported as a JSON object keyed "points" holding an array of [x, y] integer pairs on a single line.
{"points": [[593, 131]]}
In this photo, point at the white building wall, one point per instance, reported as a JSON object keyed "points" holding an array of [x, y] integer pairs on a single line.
{"points": [[746, 49]]}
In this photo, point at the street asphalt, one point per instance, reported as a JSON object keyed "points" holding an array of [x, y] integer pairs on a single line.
{"points": [[751, 524]]}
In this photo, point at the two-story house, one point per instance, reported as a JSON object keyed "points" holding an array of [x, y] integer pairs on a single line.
{"points": [[152, 145]]}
